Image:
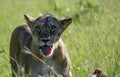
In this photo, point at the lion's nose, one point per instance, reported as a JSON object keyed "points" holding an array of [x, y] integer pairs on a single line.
{"points": [[45, 40]]}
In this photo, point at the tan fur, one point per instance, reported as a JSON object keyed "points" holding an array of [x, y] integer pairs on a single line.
{"points": [[21, 61]]}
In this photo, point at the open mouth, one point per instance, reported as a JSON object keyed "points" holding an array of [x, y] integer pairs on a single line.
{"points": [[46, 50]]}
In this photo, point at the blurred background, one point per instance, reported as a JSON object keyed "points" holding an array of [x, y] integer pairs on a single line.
{"points": [[93, 38]]}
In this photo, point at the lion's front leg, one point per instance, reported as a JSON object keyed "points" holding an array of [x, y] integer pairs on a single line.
{"points": [[65, 68], [67, 72]]}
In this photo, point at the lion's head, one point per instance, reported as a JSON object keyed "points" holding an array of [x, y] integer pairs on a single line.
{"points": [[46, 31]]}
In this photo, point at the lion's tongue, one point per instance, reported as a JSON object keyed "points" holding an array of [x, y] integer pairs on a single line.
{"points": [[46, 50]]}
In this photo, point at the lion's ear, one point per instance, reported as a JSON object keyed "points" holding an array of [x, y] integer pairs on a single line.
{"points": [[29, 19], [65, 23]]}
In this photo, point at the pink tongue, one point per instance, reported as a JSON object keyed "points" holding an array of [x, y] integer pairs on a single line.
{"points": [[46, 50]]}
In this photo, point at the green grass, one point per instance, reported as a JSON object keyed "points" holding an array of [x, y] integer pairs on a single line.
{"points": [[93, 39]]}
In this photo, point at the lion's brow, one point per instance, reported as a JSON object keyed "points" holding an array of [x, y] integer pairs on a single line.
{"points": [[44, 20]]}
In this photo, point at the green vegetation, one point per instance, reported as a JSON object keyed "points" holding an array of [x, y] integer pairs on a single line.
{"points": [[93, 39]]}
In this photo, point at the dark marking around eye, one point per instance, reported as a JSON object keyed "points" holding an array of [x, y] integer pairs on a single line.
{"points": [[52, 31], [52, 26], [38, 29]]}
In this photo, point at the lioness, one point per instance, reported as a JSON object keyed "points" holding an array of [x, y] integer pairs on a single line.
{"points": [[42, 36]]}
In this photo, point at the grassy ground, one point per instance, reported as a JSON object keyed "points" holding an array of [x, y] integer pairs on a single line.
{"points": [[93, 39]]}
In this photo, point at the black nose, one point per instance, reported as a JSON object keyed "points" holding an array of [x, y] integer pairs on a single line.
{"points": [[45, 40]]}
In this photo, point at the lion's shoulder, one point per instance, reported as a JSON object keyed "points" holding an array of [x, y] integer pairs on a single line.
{"points": [[22, 35]]}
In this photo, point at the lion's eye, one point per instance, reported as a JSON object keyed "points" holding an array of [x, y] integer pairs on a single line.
{"points": [[52, 26], [52, 31], [39, 30]]}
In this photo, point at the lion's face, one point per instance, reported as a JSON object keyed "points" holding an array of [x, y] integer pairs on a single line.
{"points": [[46, 31]]}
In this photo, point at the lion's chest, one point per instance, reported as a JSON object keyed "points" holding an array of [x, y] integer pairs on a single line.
{"points": [[39, 69]]}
